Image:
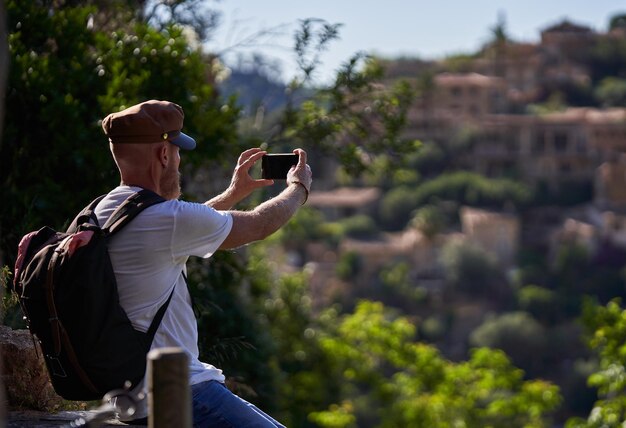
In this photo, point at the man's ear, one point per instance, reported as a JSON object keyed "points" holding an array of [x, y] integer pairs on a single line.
{"points": [[163, 155]]}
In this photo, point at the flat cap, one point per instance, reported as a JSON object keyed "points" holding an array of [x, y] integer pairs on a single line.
{"points": [[148, 122]]}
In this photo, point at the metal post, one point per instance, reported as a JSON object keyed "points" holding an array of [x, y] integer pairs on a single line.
{"points": [[169, 394]]}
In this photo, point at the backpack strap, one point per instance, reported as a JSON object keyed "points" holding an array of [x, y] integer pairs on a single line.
{"points": [[158, 317], [87, 214], [126, 212], [129, 209]]}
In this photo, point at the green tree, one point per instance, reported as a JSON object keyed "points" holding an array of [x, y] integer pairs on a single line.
{"points": [[518, 334], [355, 118], [430, 220], [473, 189], [470, 269], [66, 74], [397, 207], [538, 301], [611, 92], [607, 334], [389, 380], [617, 21]]}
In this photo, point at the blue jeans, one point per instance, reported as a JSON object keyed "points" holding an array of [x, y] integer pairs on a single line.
{"points": [[215, 406]]}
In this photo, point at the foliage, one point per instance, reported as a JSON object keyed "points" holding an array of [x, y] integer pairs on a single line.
{"points": [[396, 283], [397, 207], [538, 301], [430, 220], [608, 58], [355, 118], [349, 265], [389, 380], [473, 189], [359, 226], [66, 72], [469, 268], [617, 21], [607, 335], [308, 225], [430, 160], [612, 92], [193, 13], [518, 334], [297, 365], [385, 173]]}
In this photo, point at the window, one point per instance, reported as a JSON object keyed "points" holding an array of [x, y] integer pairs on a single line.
{"points": [[560, 142], [539, 142]]}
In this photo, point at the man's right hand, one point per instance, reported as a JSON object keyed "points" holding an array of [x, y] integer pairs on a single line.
{"points": [[301, 173]]}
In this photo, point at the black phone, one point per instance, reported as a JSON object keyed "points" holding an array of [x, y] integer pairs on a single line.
{"points": [[275, 166]]}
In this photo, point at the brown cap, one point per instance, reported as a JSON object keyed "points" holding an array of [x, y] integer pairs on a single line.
{"points": [[149, 122]]}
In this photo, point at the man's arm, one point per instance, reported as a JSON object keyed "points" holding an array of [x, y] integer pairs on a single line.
{"points": [[271, 215]]}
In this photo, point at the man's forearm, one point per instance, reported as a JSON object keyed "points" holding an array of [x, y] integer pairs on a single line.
{"points": [[277, 211], [224, 201], [265, 219]]}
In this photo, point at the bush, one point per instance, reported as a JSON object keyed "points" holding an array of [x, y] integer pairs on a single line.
{"points": [[359, 226], [430, 220], [538, 301], [349, 265], [396, 207], [473, 189], [518, 334], [468, 268]]}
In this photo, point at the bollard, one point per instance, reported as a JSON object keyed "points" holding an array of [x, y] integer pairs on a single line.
{"points": [[169, 394]]}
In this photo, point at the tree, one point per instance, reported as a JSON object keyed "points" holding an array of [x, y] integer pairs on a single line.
{"points": [[473, 189], [389, 380], [617, 21], [606, 336], [66, 74], [612, 92], [430, 220], [518, 334], [470, 269], [356, 118]]}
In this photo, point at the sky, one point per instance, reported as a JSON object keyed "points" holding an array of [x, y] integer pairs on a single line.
{"points": [[393, 28]]}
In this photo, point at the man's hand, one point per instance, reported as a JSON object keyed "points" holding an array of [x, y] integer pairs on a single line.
{"points": [[271, 215], [301, 173], [241, 184]]}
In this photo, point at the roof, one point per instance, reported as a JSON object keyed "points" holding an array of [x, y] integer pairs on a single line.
{"points": [[588, 115], [447, 79], [344, 197], [567, 26]]}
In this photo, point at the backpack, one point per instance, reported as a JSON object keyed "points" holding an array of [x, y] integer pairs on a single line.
{"points": [[68, 293]]}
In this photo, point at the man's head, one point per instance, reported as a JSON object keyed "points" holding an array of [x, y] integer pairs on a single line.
{"points": [[145, 140]]}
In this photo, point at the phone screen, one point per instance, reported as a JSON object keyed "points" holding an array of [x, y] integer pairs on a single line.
{"points": [[276, 166]]}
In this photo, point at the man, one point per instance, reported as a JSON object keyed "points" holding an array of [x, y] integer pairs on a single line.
{"points": [[150, 253]]}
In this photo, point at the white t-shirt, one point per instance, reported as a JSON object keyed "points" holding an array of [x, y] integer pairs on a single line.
{"points": [[148, 257]]}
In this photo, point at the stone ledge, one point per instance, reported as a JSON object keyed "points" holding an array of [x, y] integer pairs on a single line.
{"points": [[37, 419]]}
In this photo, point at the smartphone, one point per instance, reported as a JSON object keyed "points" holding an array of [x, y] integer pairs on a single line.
{"points": [[275, 166]]}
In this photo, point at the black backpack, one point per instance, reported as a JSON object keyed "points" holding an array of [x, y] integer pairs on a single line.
{"points": [[68, 292]]}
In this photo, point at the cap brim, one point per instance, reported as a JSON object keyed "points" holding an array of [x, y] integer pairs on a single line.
{"points": [[184, 141]]}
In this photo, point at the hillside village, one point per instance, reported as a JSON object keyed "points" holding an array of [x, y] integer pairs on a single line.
{"points": [[579, 148], [519, 111]]}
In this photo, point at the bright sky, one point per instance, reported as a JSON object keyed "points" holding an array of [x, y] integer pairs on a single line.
{"points": [[391, 28]]}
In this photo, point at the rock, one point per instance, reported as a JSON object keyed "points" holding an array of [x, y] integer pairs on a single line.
{"points": [[24, 373]]}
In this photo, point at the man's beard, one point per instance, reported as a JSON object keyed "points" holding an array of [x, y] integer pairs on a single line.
{"points": [[170, 184]]}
